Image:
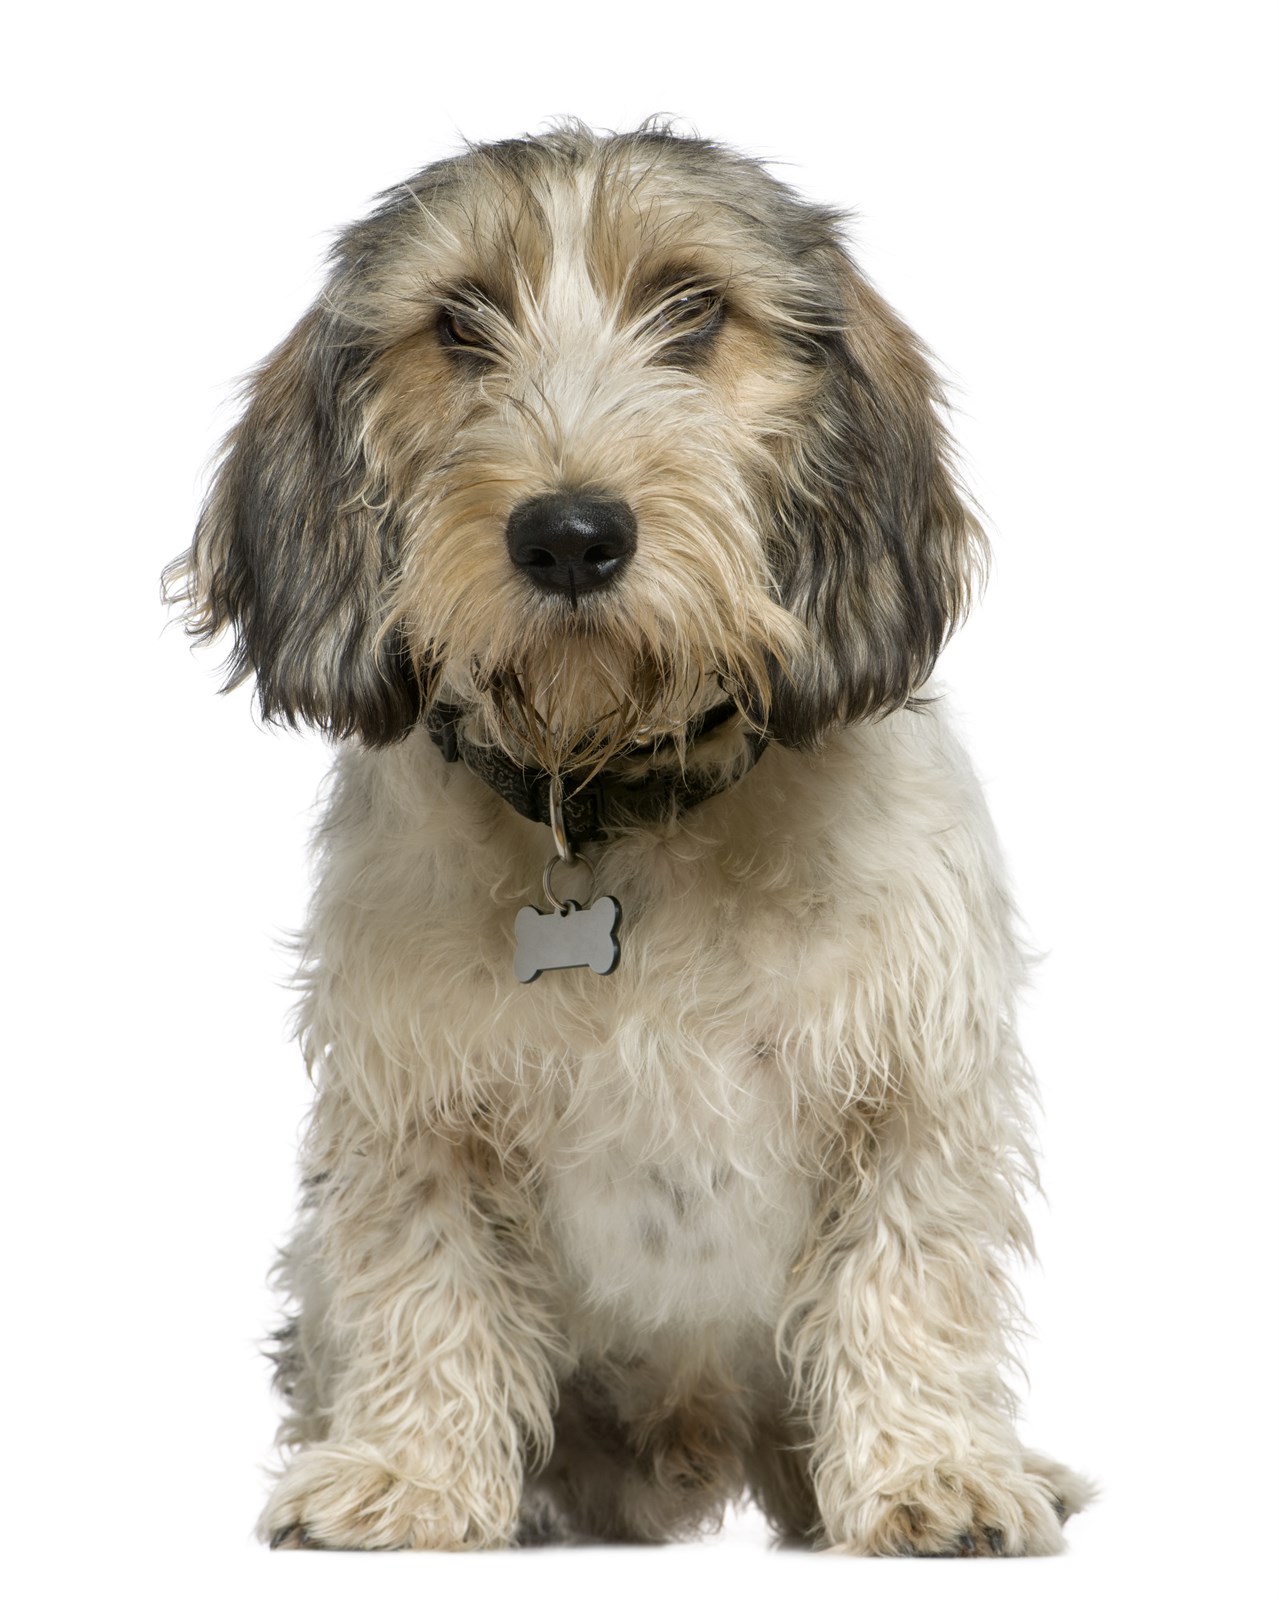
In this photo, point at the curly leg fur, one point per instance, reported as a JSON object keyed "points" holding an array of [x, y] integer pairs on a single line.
{"points": [[427, 1353], [897, 1339]]}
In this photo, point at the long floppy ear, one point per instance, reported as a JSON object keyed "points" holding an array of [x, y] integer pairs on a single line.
{"points": [[877, 551], [294, 547]]}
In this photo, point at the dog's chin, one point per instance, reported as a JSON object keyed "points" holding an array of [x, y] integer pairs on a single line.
{"points": [[580, 735], [575, 708]]}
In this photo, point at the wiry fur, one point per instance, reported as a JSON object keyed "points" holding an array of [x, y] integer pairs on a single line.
{"points": [[610, 1252]]}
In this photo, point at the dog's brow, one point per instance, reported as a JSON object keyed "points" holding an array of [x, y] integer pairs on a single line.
{"points": [[469, 291], [676, 277], [473, 295], [647, 289]]}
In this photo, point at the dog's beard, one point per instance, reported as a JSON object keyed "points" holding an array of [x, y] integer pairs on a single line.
{"points": [[570, 696], [574, 710]]}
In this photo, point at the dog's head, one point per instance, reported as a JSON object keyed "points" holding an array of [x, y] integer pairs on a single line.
{"points": [[586, 433]]}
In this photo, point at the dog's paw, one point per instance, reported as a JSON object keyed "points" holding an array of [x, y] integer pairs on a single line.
{"points": [[1068, 1491], [348, 1497], [962, 1513]]}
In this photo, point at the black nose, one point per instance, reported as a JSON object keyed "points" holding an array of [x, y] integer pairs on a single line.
{"points": [[570, 543]]}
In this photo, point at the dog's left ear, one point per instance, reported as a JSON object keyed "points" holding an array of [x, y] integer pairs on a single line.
{"points": [[876, 550], [295, 545]]}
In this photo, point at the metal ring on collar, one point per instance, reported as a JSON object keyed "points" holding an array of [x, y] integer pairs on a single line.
{"points": [[555, 808], [549, 868]]}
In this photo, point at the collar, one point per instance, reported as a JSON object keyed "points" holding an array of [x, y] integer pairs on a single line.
{"points": [[612, 799]]}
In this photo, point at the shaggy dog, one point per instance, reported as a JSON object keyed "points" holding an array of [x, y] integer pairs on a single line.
{"points": [[598, 490]]}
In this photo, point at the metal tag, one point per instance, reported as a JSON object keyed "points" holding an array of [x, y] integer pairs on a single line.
{"points": [[548, 941]]}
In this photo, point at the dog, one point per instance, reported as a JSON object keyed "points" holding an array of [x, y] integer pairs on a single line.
{"points": [[604, 516]]}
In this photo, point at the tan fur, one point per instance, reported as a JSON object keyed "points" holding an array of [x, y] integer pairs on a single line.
{"points": [[738, 1216], [598, 418]]}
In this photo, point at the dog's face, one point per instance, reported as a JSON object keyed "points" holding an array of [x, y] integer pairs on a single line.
{"points": [[587, 433]]}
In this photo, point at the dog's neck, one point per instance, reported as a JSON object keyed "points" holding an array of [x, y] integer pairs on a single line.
{"points": [[644, 785]]}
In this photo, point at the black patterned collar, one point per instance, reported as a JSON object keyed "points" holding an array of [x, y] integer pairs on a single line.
{"points": [[612, 799]]}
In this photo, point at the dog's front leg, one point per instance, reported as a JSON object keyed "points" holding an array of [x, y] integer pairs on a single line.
{"points": [[896, 1332], [428, 1348]]}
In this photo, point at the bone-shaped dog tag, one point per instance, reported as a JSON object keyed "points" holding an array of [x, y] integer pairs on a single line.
{"points": [[546, 941]]}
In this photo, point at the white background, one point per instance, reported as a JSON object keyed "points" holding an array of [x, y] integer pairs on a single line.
{"points": [[1074, 205]]}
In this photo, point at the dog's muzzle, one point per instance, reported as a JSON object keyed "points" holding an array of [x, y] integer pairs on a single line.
{"points": [[571, 543]]}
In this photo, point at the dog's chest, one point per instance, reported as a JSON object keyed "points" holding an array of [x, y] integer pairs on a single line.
{"points": [[681, 1213]]}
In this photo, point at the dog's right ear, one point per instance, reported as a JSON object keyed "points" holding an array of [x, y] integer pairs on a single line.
{"points": [[295, 547]]}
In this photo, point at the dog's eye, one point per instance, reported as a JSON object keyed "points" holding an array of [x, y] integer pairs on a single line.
{"points": [[686, 321], [692, 315], [460, 329]]}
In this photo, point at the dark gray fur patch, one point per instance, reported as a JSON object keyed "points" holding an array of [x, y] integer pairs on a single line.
{"points": [[298, 556], [677, 1197], [654, 1238]]}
